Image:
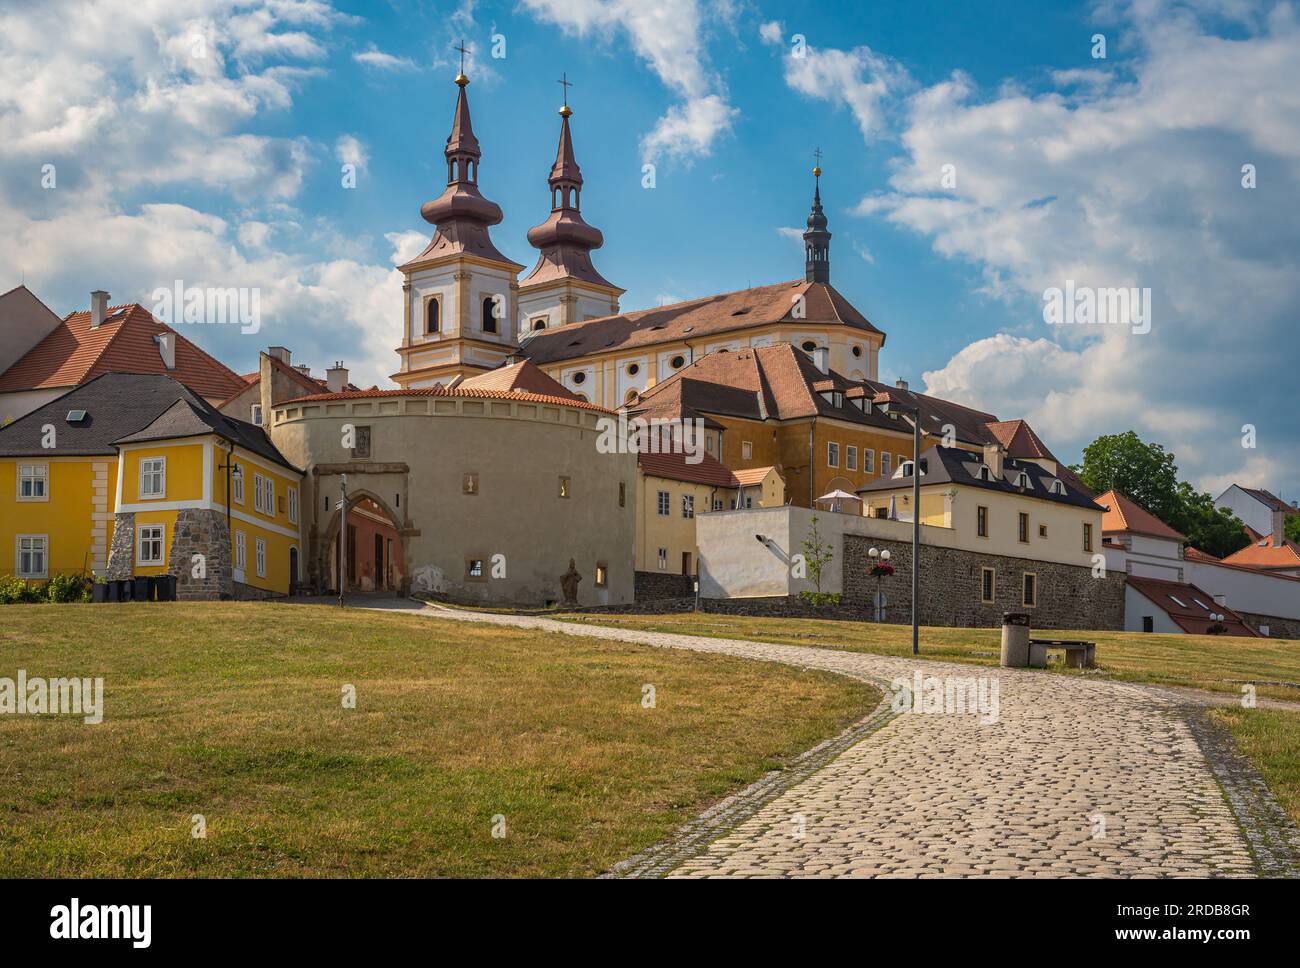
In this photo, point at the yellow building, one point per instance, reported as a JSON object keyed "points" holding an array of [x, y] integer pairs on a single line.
{"points": [[127, 475], [673, 490]]}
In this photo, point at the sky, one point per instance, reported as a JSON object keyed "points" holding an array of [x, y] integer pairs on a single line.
{"points": [[977, 158]]}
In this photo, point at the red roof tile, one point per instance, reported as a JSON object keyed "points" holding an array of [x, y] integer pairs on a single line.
{"points": [[1125, 514], [1189, 616], [124, 343], [518, 376], [675, 467], [441, 391], [1260, 554]]}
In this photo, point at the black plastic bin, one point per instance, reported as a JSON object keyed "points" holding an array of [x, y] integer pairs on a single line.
{"points": [[99, 592], [143, 589], [165, 588], [121, 590]]}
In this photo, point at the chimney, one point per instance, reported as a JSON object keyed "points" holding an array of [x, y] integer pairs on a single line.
{"points": [[993, 458], [167, 349], [304, 369], [280, 353], [1279, 527], [901, 384], [336, 377], [822, 357], [98, 308]]}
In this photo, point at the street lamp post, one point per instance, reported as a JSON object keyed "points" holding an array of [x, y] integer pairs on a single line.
{"points": [[880, 603], [235, 474], [886, 405]]}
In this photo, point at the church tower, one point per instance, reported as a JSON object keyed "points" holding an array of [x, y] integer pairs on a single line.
{"points": [[460, 292], [817, 241], [564, 287]]}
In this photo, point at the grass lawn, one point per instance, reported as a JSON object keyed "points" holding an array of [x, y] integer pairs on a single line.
{"points": [[234, 711], [1212, 662], [1271, 738]]}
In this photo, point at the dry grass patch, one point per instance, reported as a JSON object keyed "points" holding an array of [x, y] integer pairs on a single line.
{"points": [[234, 711], [1271, 739]]}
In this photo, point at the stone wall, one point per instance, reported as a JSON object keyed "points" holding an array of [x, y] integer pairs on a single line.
{"points": [[655, 586], [1069, 597], [121, 553], [201, 532], [1278, 628]]}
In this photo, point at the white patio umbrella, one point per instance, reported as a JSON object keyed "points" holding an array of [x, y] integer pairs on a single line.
{"points": [[834, 498]]}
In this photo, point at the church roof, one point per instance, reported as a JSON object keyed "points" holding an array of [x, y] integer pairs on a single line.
{"points": [[696, 318], [74, 353]]}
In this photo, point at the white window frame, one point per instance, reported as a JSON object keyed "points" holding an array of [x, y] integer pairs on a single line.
{"points": [[832, 454], [663, 559], [255, 413], [43, 551], [884, 463], [160, 473], [746, 450], [688, 506], [260, 559], [28, 473], [868, 461], [292, 504], [140, 539], [665, 504], [851, 458], [237, 484], [241, 551], [264, 495]]}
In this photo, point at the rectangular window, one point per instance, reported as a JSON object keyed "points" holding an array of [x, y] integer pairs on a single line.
{"points": [[469, 484], [1024, 527], [1087, 536], [241, 550], [31, 554], [261, 558], [261, 495], [746, 450], [474, 569], [257, 414], [884, 464], [688, 505], [833, 455], [293, 505], [1042, 531], [149, 545], [33, 482], [153, 477], [901, 458], [981, 521], [851, 458], [868, 461], [237, 483], [665, 504], [602, 575], [663, 559], [988, 584], [361, 448], [1030, 596], [564, 487], [717, 504]]}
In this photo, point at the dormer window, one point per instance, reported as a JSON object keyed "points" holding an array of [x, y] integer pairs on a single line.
{"points": [[985, 473], [1022, 479], [1058, 488]]}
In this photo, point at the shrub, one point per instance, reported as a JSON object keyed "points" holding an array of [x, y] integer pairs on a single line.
{"points": [[66, 588], [15, 591], [818, 599]]}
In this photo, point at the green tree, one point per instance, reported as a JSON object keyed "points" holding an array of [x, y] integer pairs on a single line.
{"points": [[816, 556], [1145, 472], [1212, 529], [1292, 529]]}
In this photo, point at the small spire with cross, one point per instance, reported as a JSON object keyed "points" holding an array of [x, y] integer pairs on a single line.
{"points": [[564, 81], [817, 162], [461, 79]]}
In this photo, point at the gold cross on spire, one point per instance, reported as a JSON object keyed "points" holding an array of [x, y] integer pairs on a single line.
{"points": [[566, 84], [817, 166], [463, 51]]}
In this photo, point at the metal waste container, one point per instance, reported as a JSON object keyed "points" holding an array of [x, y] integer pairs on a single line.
{"points": [[1015, 640]]}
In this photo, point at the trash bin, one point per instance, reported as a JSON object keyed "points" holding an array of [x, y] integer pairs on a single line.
{"points": [[143, 589], [121, 590], [1015, 640], [99, 592], [166, 588]]}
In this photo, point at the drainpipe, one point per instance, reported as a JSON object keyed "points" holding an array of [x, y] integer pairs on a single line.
{"points": [[812, 457]]}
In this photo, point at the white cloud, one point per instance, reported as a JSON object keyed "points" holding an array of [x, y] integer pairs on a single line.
{"points": [[669, 36], [379, 60], [1129, 184], [859, 79], [350, 151], [770, 32]]}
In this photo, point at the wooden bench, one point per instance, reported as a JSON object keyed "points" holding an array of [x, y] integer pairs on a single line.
{"points": [[1078, 654]]}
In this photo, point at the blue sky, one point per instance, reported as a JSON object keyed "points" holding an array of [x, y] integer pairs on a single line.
{"points": [[205, 144]]}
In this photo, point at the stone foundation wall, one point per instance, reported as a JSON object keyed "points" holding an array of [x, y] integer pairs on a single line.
{"points": [[1069, 597], [1278, 628], [121, 553], [654, 586], [200, 533]]}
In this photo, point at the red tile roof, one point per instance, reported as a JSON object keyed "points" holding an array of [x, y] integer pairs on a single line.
{"points": [[1189, 616], [675, 467], [696, 318], [522, 376], [1125, 514], [750, 476], [124, 343], [1019, 439], [1261, 555], [441, 391], [1196, 554]]}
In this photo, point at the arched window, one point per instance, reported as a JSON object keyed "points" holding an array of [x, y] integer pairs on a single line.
{"points": [[489, 314], [432, 316], [539, 322]]}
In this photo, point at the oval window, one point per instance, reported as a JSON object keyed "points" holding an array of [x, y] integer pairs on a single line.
{"points": [[809, 346], [633, 369], [580, 377], [857, 351], [677, 362]]}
